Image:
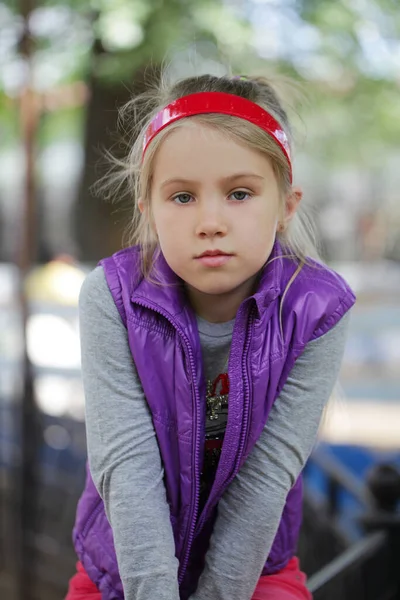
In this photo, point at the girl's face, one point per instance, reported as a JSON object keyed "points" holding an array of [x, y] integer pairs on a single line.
{"points": [[213, 195]]}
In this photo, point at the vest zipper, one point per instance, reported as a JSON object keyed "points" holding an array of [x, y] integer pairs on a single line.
{"points": [[246, 378], [195, 491], [246, 420]]}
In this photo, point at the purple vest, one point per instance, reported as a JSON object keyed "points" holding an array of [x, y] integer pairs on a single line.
{"points": [[271, 331]]}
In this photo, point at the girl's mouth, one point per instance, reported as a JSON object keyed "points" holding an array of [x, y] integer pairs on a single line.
{"points": [[214, 258]]}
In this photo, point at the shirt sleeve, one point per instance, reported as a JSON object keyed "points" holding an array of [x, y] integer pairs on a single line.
{"points": [[250, 510], [123, 453]]}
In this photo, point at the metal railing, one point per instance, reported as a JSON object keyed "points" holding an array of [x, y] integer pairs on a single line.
{"points": [[368, 568]]}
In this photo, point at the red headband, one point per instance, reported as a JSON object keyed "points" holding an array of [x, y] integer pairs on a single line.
{"points": [[218, 102]]}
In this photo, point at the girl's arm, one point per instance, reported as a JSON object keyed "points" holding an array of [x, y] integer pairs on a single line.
{"points": [[123, 452], [249, 512]]}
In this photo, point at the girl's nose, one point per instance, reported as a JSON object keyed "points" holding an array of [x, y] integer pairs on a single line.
{"points": [[211, 222]]}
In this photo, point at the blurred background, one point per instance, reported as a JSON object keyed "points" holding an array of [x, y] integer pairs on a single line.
{"points": [[65, 68]]}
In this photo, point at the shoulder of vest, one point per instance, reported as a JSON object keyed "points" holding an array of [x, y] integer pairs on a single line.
{"points": [[123, 263], [122, 270], [130, 255], [318, 297]]}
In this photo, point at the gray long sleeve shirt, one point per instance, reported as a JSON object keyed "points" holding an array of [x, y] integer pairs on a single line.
{"points": [[127, 470]]}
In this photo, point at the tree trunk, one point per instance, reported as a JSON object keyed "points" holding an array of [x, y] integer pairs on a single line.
{"points": [[99, 224]]}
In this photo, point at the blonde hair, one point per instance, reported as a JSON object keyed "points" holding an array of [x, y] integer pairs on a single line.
{"points": [[298, 240]]}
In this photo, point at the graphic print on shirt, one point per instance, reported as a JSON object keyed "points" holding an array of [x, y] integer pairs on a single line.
{"points": [[216, 420]]}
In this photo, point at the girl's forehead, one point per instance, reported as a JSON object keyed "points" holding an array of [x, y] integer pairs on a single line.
{"points": [[193, 150], [192, 130]]}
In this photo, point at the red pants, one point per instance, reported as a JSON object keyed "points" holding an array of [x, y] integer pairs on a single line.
{"points": [[288, 584]]}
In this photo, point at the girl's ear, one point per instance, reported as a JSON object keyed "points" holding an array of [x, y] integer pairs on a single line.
{"points": [[293, 200], [144, 208]]}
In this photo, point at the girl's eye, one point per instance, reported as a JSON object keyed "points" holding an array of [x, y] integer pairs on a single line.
{"points": [[182, 198], [240, 195]]}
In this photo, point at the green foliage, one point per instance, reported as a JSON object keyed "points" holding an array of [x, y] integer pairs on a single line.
{"points": [[55, 124], [8, 120]]}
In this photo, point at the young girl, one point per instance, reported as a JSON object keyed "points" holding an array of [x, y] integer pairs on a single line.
{"points": [[210, 347]]}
